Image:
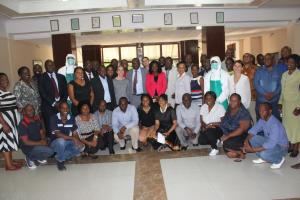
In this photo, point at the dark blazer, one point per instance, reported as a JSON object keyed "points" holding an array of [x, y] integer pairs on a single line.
{"points": [[47, 92], [48, 97], [86, 77], [99, 92]]}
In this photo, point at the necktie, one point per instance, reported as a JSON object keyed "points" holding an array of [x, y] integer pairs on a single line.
{"points": [[134, 81], [89, 75], [54, 86]]}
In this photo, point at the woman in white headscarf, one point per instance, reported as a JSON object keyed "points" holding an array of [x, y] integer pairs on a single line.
{"points": [[217, 80], [68, 69]]}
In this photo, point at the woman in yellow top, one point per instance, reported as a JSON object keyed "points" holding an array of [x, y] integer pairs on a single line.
{"points": [[290, 103]]}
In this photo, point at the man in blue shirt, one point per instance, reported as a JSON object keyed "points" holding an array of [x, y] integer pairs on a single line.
{"points": [[273, 146], [267, 83], [65, 140]]}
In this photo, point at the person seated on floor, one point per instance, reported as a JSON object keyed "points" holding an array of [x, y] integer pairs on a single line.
{"points": [[146, 113], [106, 136], [165, 124], [188, 120], [273, 146], [88, 130], [211, 114], [125, 122], [33, 138], [235, 126], [64, 137]]}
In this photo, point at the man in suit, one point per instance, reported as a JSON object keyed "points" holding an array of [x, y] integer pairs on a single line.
{"points": [[88, 71], [137, 80], [53, 89], [103, 89]]}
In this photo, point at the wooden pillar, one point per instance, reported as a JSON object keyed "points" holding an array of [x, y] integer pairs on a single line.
{"points": [[91, 53], [189, 47], [63, 44], [213, 41]]}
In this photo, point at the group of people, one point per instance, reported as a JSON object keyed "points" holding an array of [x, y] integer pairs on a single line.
{"points": [[77, 111]]}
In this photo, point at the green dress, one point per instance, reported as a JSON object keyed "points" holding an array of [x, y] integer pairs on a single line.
{"points": [[216, 86], [290, 99]]}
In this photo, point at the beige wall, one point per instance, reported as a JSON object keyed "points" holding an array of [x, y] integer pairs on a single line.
{"points": [[14, 53], [293, 36], [272, 42]]}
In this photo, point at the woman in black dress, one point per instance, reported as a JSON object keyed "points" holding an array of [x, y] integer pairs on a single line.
{"points": [[9, 119], [79, 90], [146, 118], [166, 123]]}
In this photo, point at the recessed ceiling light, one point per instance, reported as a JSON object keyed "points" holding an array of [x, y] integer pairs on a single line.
{"points": [[64, 0]]}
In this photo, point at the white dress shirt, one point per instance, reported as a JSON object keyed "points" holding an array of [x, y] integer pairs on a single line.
{"points": [[139, 84], [129, 118], [107, 97], [212, 116], [182, 86]]}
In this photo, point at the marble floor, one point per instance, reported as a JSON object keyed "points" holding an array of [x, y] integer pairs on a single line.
{"points": [[152, 175]]}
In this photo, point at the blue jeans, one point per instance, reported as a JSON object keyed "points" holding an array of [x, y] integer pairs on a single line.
{"points": [[270, 155], [39, 153], [64, 149]]}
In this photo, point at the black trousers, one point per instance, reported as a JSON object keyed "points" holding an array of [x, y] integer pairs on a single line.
{"points": [[235, 143], [210, 136], [107, 140]]}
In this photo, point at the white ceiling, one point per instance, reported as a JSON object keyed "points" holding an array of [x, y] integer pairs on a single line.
{"points": [[34, 8]]}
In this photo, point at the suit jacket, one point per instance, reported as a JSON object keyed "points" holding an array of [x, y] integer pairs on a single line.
{"points": [[129, 77], [99, 91], [86, 77], [47, 91]]}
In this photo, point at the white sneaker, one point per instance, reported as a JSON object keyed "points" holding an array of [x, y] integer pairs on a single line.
{"points": [[30, 164], [218, 142], [42, 161], [214, 152], [277, 166], [258, 161]]}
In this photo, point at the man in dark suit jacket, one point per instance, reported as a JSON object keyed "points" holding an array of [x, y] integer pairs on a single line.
{"points": [[89, 74], [53, 89], [140, 82], [103, 89]]}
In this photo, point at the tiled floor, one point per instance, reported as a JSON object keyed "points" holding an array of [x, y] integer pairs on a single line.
{"points": [[180, 169], [220, 178]]}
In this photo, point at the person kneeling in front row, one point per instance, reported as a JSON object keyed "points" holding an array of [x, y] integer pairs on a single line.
{"points": [[33, 138], [273, 146], [188, 120], [125, 121], [65, 142]]}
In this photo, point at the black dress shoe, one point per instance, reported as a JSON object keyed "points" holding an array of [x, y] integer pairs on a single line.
{"points": [[184, 148], [92, 156], [195, 145], [123, 148], [61, 166], [139, 149], [294, 154]]}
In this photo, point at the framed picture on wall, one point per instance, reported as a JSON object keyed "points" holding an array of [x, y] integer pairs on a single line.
{"points": [[95, 22], [37, 62], [75, 24], [116, 20], [54, 26], [220, 17], [194, 18], [137, 18], [168, 19]]}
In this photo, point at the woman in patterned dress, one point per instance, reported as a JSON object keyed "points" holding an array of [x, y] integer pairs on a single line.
{"points": [[26, 91], [9, 119]]}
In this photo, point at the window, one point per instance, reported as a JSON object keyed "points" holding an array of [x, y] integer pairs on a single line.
{"points": [[110, 53], [170, 50], [152, 51], [128, 53]]}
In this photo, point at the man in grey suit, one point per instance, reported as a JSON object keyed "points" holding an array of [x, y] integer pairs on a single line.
{"points": [[137, 82]]}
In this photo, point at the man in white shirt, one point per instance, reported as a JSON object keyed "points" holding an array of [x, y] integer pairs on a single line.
{"points": [[188, 119], [125, 122], [171, 75], [137, 79]]}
